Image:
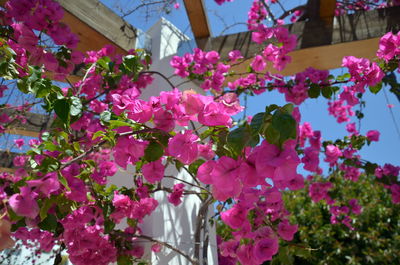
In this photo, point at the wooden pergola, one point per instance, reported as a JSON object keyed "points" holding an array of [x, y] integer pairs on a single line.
{"points": [[323, 40]]}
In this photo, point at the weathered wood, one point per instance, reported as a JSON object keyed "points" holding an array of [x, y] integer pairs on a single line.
{"points": [[6, 160], [197, 15], [323, 57], [355, 34], [35, 123], [327, 11], [96, 25]]}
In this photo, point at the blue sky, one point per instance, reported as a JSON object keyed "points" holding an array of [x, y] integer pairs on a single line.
{"points": [[377, 115]]}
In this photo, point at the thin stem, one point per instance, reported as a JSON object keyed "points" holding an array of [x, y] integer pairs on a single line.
{"points": [[85, 77], [200, 221], [193, 177], [269, 12], [97, 146], [188, 183], [192, 261], [160, 74]]}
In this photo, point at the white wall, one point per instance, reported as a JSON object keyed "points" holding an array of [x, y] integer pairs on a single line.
{"points": [[174, 225]]}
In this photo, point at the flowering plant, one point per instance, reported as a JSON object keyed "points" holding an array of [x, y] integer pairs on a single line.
{"points": [[60, 193]]}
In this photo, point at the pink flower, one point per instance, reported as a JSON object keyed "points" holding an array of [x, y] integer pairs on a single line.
{"points": [[184, 147], [395, 189], [19, 142], [205, 170], [176, 196], [46, 185], [20, 161], [258, 63], [24, 203], [176, 5], [213, 115], [225, 177], [265, 248], [286, 230], [212, 57], [235, 217], [332, 153], [153, 171], [373, 135], [319, 191], [128, 150], [156, 248], [246, 256], [355, 207], [122, 204], [234, 55], [140, 111], [164, 120]]}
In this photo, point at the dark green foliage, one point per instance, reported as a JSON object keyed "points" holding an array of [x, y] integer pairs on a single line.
{"points": [[375, 240]]}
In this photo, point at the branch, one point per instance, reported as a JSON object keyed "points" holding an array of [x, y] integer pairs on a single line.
{"points": [[202, 214], [97, 146], [192, 261], [160, 74], [188, 183], [146, 4], [85, 77], [289, 12], [269, 12]]}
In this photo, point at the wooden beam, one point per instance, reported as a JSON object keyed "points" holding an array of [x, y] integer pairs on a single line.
{"points": [[6, 160], [197, 15], [355, 34], [35, 123], [96, 25], [323, 57], [327, 11]]}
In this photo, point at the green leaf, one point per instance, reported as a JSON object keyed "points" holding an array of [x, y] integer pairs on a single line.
{"points": [[42, 88], [20, 223], [124, 260], [63, 181], [257, 121], [195, 166], [314, 91], [45, 136], [49, 223], [117, 123], [285, 124], [343, 77], [50, 146], [23, 86], [272, 135], [237, 139], [103, 62], [76, 106], [285, 257], [271, 108], [62, 109], [375, 89], [327, 92], [98, 134], [105, 116], [288, 108], [45, 207], [108, 226], [153, 152], [178, 165]]}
